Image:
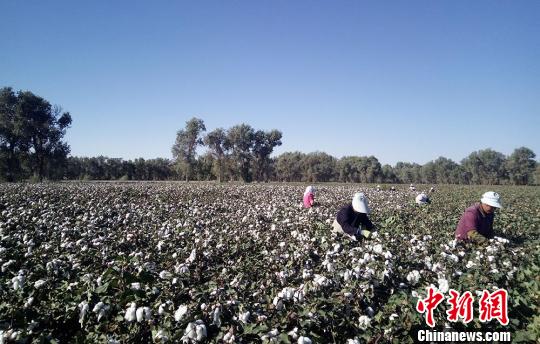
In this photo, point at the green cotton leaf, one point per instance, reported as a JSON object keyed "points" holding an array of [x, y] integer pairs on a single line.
{"points": [[284, 338], [103, 288]]}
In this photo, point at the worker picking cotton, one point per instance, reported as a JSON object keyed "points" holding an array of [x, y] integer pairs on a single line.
{"points": [[309, 197], [352, 219], [476, 223], [422, 199]]}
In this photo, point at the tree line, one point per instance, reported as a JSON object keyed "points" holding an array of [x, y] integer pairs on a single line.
{"points": [[31, 132], [31, 147]]}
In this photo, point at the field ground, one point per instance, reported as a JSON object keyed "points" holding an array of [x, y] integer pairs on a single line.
{"points": [[167, 261]]}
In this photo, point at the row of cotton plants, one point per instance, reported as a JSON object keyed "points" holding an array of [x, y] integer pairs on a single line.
{"points": [[196, 262]]}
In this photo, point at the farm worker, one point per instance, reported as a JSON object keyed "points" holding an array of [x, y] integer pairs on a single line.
{"points": [[378, 187], [309, 197], [351, 218], [432, 189], [422, 199], [476, 223], [412, 188]]}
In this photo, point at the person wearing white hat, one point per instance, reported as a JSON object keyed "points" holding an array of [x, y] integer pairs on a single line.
{"points": [[352, 218], [476, 223], [412, 188], [422, 199], [309, 197]]}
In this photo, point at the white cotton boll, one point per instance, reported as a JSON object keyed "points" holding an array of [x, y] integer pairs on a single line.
{"points": [[29, 302], [216, 316], [288, 293], [378, 249], [192, 256], [147, 313], [131, 312], [388, 255], [299, 296], [370, 312], [140, 314], [453, 257], [244, 317], [364, 322], [278, 303], [165, 275], [97, 307], [83, 306], [414, 294], [190, 332], [200, 330], [304, 340], [273, 333], [161, 336], [135, 286], [102, 312], [353, 341], [306, 274], [501, 240], [39, 283], [443, 285], [470, 264], [180, 312], [393, 316], [229, 337], [18, 282], [293, 333], [490, 258], [413, 277]]}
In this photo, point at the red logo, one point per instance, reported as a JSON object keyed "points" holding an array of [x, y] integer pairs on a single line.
{"points": [[429, 304], [491, 306], [461, 307], [494, 306]]}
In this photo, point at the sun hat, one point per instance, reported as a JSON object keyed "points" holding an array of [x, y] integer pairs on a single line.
{"points": [[309, 189], [422, 198], [360, 203], [491, 198]]}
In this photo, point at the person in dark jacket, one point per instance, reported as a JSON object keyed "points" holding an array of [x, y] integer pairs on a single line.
{"points": [[352, 219]]}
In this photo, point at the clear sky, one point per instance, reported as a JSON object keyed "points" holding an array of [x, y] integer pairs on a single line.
{"points": [[400, 80]]}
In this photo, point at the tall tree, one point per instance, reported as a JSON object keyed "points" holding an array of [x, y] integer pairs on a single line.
{"points": [[521, 166], [240, 139], [10, 134], [217, 143], [184, 148], [263, 146], [32, 130], [485, 167], [289, 167], [319, 167]]}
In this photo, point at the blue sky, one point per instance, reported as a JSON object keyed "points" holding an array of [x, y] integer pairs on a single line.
{"points": [[401, 80]]}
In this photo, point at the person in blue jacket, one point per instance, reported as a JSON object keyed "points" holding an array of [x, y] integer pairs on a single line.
{"points": [[352, 219]]}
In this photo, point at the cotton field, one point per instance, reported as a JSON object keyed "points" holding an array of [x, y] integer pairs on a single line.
{"points": [[234, 263]]}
